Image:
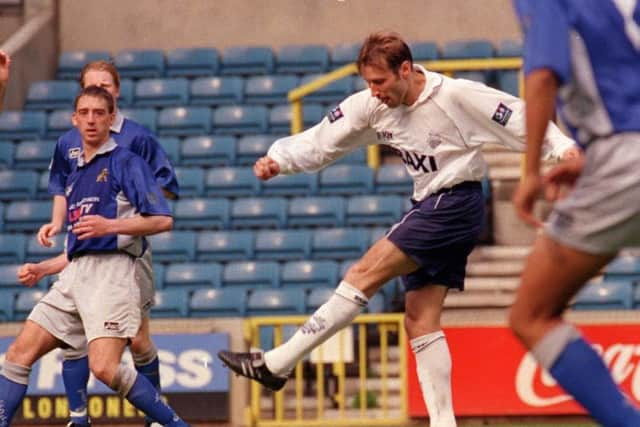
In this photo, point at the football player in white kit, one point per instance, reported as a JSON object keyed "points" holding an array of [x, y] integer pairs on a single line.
{"points": [[439, 125]]}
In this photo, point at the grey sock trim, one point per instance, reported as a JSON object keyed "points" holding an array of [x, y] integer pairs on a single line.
{"points": [[548, 349], [420, 343], [146, 357], [352, 293], [123, 380], [73, 353], [16, 373]]}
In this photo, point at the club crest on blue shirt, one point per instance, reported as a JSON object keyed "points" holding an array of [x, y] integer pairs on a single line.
{"points": [[502, 114], [335, 114], [74, 153], [103, 175]]}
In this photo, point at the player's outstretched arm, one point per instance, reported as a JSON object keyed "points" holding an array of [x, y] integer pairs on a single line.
{"points": [[97, 226], [29, 274], [5, 62]]}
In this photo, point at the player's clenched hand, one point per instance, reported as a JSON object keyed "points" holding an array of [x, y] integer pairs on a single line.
{"points": [[525, 197], [5, 61], [30, 274], [266, 168], [46, 232], [92, 226], [562, 176]]}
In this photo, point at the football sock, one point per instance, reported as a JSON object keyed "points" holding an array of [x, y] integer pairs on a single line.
{"points": [[75, 375], [13, 386], [433, 365], [343, 306], [148, 365]]}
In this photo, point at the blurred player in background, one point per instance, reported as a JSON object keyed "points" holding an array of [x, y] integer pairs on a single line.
{"points": [[587, 54], [5, 63], [439, 125], [138, 139]]}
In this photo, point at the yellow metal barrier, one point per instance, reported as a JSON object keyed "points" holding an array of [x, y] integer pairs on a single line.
{"points": [[355, 401]]}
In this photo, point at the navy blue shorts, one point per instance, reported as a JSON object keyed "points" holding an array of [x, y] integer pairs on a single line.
{"points": [[439, 233]]}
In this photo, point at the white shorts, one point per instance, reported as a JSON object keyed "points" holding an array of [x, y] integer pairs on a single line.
{"points": [[602, 214]]}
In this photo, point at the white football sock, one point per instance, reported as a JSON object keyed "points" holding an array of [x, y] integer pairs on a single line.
{"points": [[433, 364], [343, 306]]}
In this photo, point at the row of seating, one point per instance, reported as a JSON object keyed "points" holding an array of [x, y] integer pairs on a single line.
{"points": [[251, 60]]}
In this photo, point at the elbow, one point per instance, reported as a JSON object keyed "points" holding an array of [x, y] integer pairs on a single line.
{"points": [[165, 224]]}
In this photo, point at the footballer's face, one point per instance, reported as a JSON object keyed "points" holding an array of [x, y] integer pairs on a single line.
{"points": [[102, 79], [93, 120], [388, 86]]}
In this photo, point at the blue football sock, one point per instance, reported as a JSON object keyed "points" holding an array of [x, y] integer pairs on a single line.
{"points": [[146, 398], [11, 394], [581, 372], [151, 371], [75, 375]]}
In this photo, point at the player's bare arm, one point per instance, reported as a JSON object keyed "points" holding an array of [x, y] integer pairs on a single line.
{"points": [[266, 168], [5, 62], [58, 213], [31, 273], [97, 226]]}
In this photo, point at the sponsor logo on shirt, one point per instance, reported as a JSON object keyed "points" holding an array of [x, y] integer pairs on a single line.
{"points": [[335, 114], [103, 175], [74, 153], [384, 135], [502, 114], [419, 162]]}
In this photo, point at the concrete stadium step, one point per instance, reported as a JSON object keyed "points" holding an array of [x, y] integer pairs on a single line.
{"points": [[480, 300], [499, 252], [491, 284], [495, 268]]}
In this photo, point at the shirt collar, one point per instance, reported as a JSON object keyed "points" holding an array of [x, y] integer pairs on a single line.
{"points": [[117, 123], [431, 86], [110, 145]]}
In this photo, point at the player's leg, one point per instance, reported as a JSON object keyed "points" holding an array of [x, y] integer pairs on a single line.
{"points": [[75, 376]]}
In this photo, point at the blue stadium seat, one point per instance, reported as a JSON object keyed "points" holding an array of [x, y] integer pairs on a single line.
{"points": [[251, 274], [476, 76], [247, 60], [201, 213], [309, 274], [147, 117], [241, 119], [256, 212], [191, 181], [7, 149], [280, 117], [300, 184], [26, 215], [33, 154], [9, 278], [393, 179], [269, 89], [208, 151], [509, 81], [215, 91], [25, 301], [158, 275], [36, 253], [302, 59], [282, 245], [173, 246], [623, 267], [316, 211], [191, 276], [171, 303], [332, 93], [193, 62], [51, 95], [171, 146], [509, 48], [605, 295], [346, 179], [161, 92], [225, 246], [339, 243], [377, 233], [71, 63], [7, 300], [275, 302], [58, 123], [22, 124], [16, 184], [358, 83], [226, 302], [344, 53], [138, 64], [12, 248], [463, 49], [231, 182], [424, 51], [42, 189], [317, 297], [373, 210], [125, 99], [356, 157], [252, 147], [184, 121]]}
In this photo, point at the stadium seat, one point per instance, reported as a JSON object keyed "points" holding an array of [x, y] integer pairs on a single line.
{"points": [[208, 151], [158, 275], [424, 51], [7, 149], [356, 157], [26, 215], [7, 300], [71, 63], [251, 147], [309, 274], [393, 179], [376, 233], [58, 123], [42, 189], [193, 62], [317, 297], [191, 181], [33, 154], [226, 302], [184, 121], [215, 91], [509, 81], [161, 92], [275, 302], [358, 83], [171, 303], [147, 117], [256, 212], [36, 253], [12, 248], [509, 48], [344, 53], [173, 246], [346, 180], [300, 184], [51, 95], [138, 64], [623, 267], [25, 301], [16, 184], [316, 211], [476, 76], [9, 278], [201, 213], [191, 276], [339, 243], [251, 274], [171, 146], [225, 246], [302, 59], [231, 182], [240, 119], [269, 89], [282, 245], [373, 210], [280, 117], [605, 295], [247, 60], [22, 124], [332, 93], [126, 93], [464, 49]]}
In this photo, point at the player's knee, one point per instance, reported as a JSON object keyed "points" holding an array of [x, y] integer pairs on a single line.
{"points": [[364, 277], [141, 343], [104, 370]]}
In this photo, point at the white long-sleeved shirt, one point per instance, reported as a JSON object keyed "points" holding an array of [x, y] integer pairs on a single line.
{"points": [[439, 137]]}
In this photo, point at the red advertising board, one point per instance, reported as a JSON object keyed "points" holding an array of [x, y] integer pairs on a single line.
{"points": [[493, 375]]}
